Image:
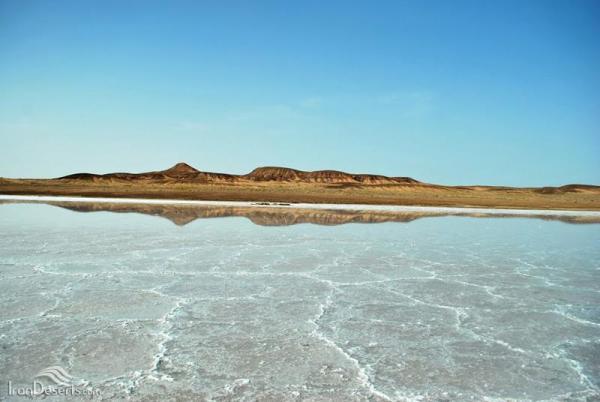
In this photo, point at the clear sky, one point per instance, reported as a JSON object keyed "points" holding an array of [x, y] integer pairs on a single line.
{"points": [[454, 92]]}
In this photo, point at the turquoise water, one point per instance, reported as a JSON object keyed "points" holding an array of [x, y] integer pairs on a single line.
{"points": [[442, 308]]}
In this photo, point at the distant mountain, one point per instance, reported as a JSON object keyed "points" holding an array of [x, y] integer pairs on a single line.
{"points": [[186, 173], [321, 176], [285, 185]]}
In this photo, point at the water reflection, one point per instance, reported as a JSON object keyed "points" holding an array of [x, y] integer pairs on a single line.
{"points": [[182, 214]]}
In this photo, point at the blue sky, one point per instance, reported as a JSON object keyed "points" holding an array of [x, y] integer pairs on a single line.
{"points": [[453, 92]]}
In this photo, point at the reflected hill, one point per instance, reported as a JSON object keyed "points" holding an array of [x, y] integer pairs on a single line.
{"points": [[264, 215]]}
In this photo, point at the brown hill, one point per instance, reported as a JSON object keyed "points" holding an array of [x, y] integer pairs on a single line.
{"points": [[182, 168], [180, 172], [569, 188], [322, 176], [186, 173]]}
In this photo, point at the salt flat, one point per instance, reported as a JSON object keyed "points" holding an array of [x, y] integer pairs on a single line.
{"points": [[439, 309]]}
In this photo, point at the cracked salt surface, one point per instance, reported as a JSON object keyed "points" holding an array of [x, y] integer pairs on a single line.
{"points": [[441, 309]]}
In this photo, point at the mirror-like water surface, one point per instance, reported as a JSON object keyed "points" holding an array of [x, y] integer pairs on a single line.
{"points": [[444, 308]]}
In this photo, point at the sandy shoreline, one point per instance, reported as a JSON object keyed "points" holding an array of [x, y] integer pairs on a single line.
{"points": [[340, 207], [173, 185]]}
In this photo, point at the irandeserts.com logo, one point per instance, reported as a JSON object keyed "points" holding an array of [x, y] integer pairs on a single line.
{"points": [[54, 381]]}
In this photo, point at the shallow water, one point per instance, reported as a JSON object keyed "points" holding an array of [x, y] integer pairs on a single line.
{"points": [[443, 308]]}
